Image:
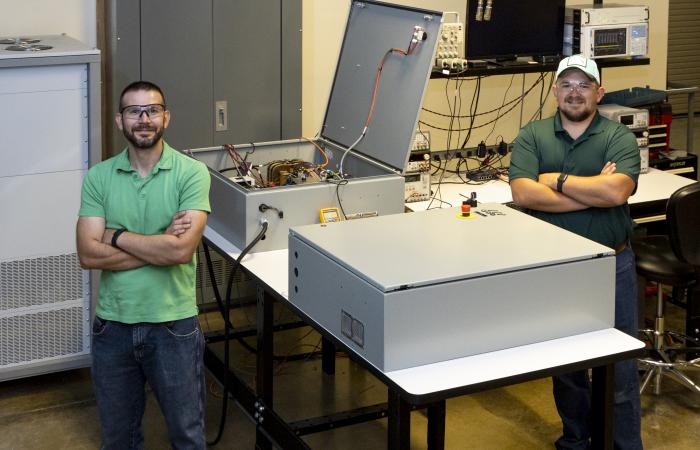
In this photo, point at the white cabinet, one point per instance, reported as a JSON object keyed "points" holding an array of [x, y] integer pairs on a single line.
{"points": [[49, 136]]}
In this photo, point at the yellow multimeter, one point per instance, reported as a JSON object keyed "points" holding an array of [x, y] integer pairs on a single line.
{"points": [[330, 215]]}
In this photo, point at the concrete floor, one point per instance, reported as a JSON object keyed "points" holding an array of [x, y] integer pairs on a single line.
{"points": [[58, 411]]}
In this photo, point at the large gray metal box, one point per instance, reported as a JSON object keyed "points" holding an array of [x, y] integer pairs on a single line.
{"points": [[372, 182], [419, 288]]}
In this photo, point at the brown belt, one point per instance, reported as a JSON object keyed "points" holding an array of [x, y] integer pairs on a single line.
{"points": [[619, 248]]}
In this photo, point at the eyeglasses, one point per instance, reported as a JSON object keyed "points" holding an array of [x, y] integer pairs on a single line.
{"points": [[584, 87], [134, 112]]}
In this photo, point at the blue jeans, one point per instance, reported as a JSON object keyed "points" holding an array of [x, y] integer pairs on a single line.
{"points": [[572, 393], [166, 355]]}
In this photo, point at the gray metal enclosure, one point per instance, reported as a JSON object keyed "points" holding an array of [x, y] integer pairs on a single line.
{"points": [[230, 69], [371, 183], [236, 211]]}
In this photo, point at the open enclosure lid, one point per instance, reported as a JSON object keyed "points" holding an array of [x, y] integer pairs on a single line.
{"points": [[373, 29]]}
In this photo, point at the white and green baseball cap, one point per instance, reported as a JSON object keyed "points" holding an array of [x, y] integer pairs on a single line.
{"points": [[580, 62]]}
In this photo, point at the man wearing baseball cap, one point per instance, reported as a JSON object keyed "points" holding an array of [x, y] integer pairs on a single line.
{"points": [[576, 170]]}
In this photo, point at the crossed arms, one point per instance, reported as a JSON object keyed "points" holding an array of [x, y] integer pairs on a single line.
{"points": [[175, 246], [605, 190]]}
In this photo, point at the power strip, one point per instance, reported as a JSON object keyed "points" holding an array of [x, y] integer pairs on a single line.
{"points": [[482, 175]]}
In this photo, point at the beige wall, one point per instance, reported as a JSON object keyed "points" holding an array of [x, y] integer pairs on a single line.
{"points": [[76, 18], [324, 22]]}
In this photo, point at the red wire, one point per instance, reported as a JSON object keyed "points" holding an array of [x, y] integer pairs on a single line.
{"points": [[378, 76]]}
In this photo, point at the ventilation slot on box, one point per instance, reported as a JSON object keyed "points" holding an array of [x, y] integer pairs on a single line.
{"points": [[242, 282]]}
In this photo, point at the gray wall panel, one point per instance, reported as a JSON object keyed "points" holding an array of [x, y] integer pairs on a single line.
{"points": [[176, 54], [205, 51], [683, 49], [246, 69], [291, 68], [124, 33]]}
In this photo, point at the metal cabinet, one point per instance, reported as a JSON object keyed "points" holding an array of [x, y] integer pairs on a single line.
{"points": [[49, 136], [231, 70]]}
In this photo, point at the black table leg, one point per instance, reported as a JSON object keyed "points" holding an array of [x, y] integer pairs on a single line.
{"points": [[263, 381], [327, 356], [399, 435], [603, 407], [692, 320], [436, 426]]}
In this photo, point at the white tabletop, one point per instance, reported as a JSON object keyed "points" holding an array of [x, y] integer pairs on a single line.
{"points": [[657, 185], [271, 268], [652, 186], [512, 362]]}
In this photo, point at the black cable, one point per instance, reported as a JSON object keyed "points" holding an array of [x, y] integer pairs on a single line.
{"points": [[516, 99], [473, 107], [227, 323], [219, 300], [499, 109], [459, 110], [339, 183]]}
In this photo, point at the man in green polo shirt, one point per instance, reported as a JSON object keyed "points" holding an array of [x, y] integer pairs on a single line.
{"points": [[142, 216], [576, 170]]}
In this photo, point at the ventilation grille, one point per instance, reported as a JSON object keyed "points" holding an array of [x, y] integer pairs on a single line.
{"points": [[242, 282], [222, 270], [40, 281], [41, 335]]}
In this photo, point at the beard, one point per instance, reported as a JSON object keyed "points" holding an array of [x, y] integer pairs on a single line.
{"points": [[579, 115], [143, 142]]}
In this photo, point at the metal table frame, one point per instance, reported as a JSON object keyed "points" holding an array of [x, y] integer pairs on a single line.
{"points": [[273, 429]]}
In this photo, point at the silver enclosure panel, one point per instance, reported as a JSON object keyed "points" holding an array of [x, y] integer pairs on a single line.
{"points": [[372, 29], [442, 321], [235, 210], [445, 247]]}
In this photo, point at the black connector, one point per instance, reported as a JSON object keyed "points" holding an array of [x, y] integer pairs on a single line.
{"points": [[481, 150], [472, 200], [436, 158], [263, 207], [502, 148]]}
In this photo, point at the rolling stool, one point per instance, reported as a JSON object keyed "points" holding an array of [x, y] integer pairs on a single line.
{"points": [[672, 260]]}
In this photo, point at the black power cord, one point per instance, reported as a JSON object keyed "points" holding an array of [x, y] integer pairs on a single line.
{"points": [[223, 309], [227, 323]]}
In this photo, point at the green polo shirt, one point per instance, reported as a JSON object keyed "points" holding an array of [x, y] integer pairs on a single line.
{"points": [[114, 190], [544, 146]]}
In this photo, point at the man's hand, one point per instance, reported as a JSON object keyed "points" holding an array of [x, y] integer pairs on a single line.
{"points": [[549, 179], [176, 245], [609, 168], [95, 251], [181, 222]]}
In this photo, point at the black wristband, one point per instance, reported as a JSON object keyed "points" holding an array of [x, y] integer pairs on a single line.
{"points": [[115, 236], [560, 181]]}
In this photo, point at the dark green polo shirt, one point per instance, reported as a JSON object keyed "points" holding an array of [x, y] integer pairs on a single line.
{"points": [[114, 190], [544, 146]]}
